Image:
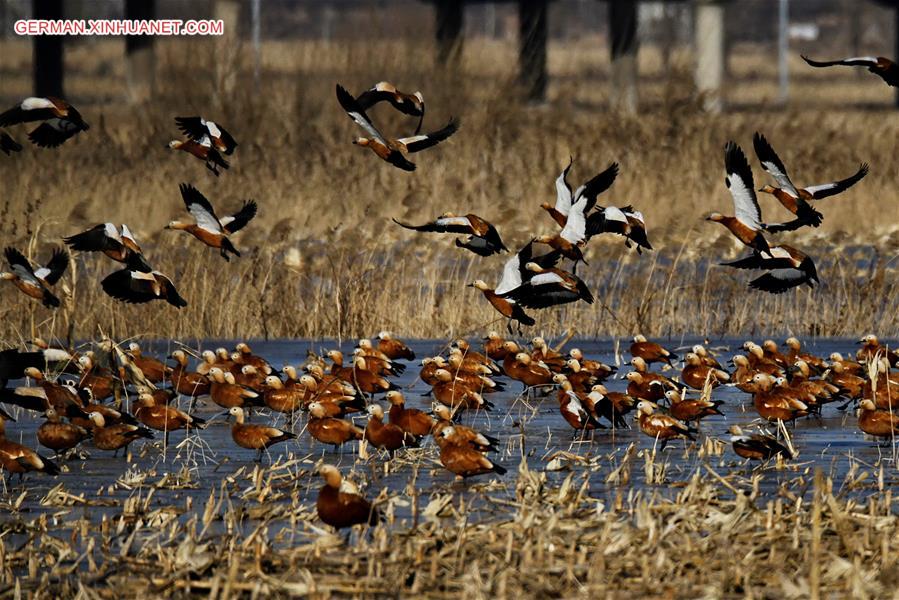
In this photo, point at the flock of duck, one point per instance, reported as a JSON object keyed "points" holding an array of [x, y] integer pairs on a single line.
{"points": [[88, 402], [784, 386]]}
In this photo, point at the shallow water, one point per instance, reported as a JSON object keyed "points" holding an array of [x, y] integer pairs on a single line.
{"points": [[529, 426]]}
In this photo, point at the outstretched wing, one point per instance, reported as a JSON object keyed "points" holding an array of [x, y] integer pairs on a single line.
{"points": [[357, 114], [417, 143], [46, 135], [859, 61], [834, 188], [30, 109], [200, 208], [779, 281], [598, 184], [20, 266], [442, 225], [96, 239], [563, 190], [8, 145], [229, 141], [575, 230], [772, 164], [739, 182], [192, 127], [512, 269], [239, 220], [58, 264], [787, 226]]}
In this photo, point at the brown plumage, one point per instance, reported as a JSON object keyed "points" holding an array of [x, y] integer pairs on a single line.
{"points": [[386, 436], [650, 352], [462, 459], [411, 420], [330, 430], [16, 458], [255, 437], [358, 375], [572, 408], [461, 434], [58, 435], [62, 398], [456, 393], [281, 398], [163, 417], [246, 357], [99, 381], [186, 382], [340, 505], [688, 410], [394, 348], [878, 423], [695, 374], [225, 391], [774, 403], [115, 437], [660, 426], [531, 373], [154, 370]]}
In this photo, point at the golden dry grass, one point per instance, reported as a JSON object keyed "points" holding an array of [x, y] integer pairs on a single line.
{"points": [[324, 259], [258, 534]]}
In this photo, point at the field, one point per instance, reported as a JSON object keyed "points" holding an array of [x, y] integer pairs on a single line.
{"points": [[606, 514], [323, 257]]}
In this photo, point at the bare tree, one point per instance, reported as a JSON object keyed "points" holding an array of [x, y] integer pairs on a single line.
{"points": [[48, 67]]}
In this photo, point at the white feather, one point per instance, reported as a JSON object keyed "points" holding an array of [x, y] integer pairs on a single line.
{"points": [[511, 277], [36, 103]]}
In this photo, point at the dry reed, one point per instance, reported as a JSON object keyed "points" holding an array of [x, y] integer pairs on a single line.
{"points": [[324, 259]]}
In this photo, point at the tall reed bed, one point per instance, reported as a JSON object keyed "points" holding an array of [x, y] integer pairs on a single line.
{"points": [[323, 257]]}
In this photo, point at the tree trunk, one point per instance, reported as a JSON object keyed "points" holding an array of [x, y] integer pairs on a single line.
{"points": [[140, 60], [450, 17], [48, 67], [709, 44], [532, 34], [624, 44]]}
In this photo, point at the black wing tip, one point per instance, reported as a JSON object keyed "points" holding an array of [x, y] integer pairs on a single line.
{"points": [[346, 99], [14, 256]]}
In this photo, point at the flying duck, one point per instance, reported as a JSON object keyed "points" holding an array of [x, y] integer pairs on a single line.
{"points": [[483, 238], [625, 221], [746, 224], [199, 129], [203, 150], [787, 268], [119, 245], [591, 189], [208, 228], [549, 287], [880, 66], [796, 200], [36, 283], [393, 151], [512, 278], [60, 119], [408, 104], [136, 284], [9, 145]]}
